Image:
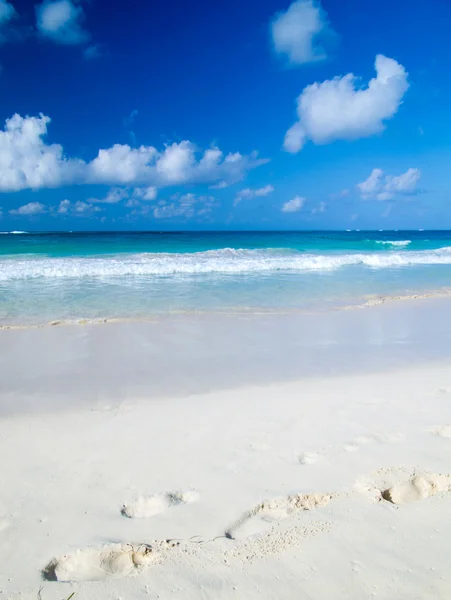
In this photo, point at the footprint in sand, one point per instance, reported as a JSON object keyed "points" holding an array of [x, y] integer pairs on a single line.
{"points": [[380, 438], [149, 506], [417, 488], [93, 564], [399, 485], [444, 431], [309, 458], [279, 508]]}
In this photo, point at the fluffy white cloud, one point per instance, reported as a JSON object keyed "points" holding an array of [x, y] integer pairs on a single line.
{"points": [[379, 186], [175, 165], [339, 109], [30, 209], [78, 208], [293, 205], [85, 207], [299, 31], [406, 183], [121, 164], [248, 193], [26, 161], [63, 207], [61, 21]]}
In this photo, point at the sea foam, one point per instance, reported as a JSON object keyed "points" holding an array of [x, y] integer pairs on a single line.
{"points": [[224, 261], [398, 243]]}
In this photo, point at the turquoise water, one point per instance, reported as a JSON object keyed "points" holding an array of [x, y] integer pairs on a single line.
{"points": [[50, 276]]}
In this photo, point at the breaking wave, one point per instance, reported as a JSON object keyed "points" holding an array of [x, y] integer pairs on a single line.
{"points": [[225, 261], [399, 244]]}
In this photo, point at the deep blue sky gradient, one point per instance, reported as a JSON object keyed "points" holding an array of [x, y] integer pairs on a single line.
{"points": [[206, 71]]}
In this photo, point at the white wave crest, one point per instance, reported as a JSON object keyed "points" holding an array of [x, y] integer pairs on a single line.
{"points": [[226, 261], [400, 243]]}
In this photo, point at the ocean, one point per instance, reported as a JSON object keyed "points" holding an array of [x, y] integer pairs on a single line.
{"points": [[71, 276]]}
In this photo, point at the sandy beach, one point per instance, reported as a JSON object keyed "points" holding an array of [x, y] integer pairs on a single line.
{"points": [[320, 478], [225, 300]]}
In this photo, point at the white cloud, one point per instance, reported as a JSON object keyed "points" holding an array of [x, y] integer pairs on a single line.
{"points": [[62, 22], [147, 193], [113, 196], [372, 185], [264, 191], [379, 186], [7, 12], [248, 193], [30, 209], [78, 208], [187, 205], [116, 194], [405, 183], [219, 186], [243, 195], [12, 29], [177, 164], [299, 31], [121, 164], [293, 205], [85, 207], [63, 207], [340, 109], [26, 161]]}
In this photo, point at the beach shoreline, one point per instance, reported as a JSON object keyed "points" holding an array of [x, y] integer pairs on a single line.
{"points": [[221, 457], [370, 301], [54, 368]]}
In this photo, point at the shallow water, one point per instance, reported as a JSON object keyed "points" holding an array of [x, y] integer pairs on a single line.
{"points": [[107, 365], [51, 276]]}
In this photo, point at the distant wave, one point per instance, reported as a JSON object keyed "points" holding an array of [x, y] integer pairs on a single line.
{"points": [[225, 261], [400, 243], [13, 232]]}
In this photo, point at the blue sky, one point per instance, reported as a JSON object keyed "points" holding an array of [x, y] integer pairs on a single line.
{"points": [[255, 115]]}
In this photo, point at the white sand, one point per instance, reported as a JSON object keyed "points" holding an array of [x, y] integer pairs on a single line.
{"points": [[322, 488], [300, 528]]}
